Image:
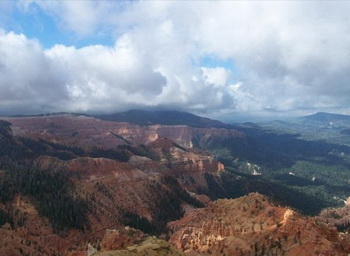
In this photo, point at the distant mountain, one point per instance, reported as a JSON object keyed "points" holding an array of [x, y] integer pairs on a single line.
{"points": [[143, 117], [327, 117]]}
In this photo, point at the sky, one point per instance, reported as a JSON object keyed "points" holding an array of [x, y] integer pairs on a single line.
{"points": [[222, 59]]}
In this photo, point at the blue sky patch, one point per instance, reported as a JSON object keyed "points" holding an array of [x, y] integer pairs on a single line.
{"points": [[229, 64]]}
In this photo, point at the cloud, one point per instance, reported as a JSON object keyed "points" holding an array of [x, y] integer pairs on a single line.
{"points": [[103, 78], [92, 79], [291, 57], [216, 76], [84, 18], [27, 81]]}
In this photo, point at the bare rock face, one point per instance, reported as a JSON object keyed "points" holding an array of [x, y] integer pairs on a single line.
{"points": [[90, 132], [339, 217], [250, 225], [151, 189], [172, 145], [113, 188]]}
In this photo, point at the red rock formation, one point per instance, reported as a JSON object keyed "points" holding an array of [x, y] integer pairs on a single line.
{"points": [[339, 217], [88, 132], [227, 227], [118, 239], [31, 233], [250, 225], [110, 186]]}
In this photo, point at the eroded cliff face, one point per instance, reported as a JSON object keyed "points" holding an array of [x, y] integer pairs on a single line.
{"points": [[81, 131], [149, 186], [118, 194], [134, 186], [339, 217], [172, 145], [250, 225], [89, 132], [151, 189]]}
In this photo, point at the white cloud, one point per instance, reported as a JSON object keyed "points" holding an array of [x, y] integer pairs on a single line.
{"points": [[216, 76], [290, 56], [26, 78], [93, 78]]}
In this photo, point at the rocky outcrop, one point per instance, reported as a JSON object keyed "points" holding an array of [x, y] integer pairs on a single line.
{"points": [[131, 242], [250, 225], [339, 217], [150, 185], [89, 132]]}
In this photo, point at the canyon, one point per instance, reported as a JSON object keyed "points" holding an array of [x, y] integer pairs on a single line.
{"points": [[69, 179]]}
